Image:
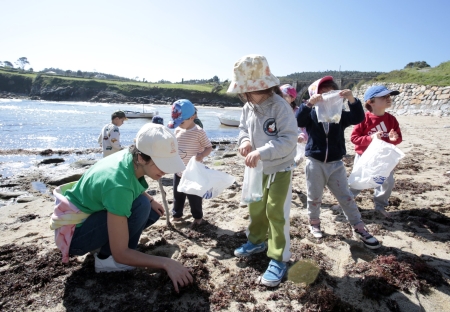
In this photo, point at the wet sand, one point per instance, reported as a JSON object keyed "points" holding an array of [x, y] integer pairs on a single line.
{"points": [[410, 272]]}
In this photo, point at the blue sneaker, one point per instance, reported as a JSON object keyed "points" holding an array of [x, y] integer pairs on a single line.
{"points": [[248, 249], [274, 273]]}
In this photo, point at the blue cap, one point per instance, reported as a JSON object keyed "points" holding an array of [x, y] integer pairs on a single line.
{"points": [[158, 120], [378, 91], [182, 110]]}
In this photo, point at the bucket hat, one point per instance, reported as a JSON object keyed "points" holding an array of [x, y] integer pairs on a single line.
{"points": [[161, 145], [182, 110], [378, 91], [252, 73], [289, 90], [314, 87]]}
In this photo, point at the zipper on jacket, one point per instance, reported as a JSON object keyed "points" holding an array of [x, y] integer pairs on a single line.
{"points": [[326, 133]]}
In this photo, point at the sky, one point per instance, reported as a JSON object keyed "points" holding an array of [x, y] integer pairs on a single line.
{"points": [[199, 39]]}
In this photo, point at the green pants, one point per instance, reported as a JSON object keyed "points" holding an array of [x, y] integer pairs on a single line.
{"points": [[271, 215]]}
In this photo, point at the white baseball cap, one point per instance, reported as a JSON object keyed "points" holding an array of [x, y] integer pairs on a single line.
{"points": [[161, 145]]}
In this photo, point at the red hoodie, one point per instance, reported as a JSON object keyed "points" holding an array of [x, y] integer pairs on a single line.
{"points": [[361, 132]]}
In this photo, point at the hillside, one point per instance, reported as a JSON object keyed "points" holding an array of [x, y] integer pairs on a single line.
{"points": [[347, 74], [62, 88], [437, 76]]}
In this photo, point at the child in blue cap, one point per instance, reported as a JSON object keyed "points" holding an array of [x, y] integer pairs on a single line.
{"points": [[192, 141], [382, 125], [324, 166]]}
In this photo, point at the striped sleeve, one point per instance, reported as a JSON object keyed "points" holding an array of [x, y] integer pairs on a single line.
{"points": [[203, 139]]}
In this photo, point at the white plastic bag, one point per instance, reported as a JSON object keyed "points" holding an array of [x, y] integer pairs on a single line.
{"points": [[199, 180], [330, 108], [300, 153], [252, 190], [375, 165]]}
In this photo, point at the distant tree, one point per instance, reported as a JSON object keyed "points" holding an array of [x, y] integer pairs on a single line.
{"points": [[31, 69], [215, 79], [22, 62], [79, 73], [7, 64], [418, 64], [68, 72]]}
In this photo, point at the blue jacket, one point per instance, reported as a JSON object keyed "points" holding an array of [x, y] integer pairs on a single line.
{"points": [[332, 147]]}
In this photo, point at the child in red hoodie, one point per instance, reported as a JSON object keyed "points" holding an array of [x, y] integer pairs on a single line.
{"points": [[377, 123]]}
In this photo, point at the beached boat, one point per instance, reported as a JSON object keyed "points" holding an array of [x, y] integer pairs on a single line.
{"points": [[230, 122], [143, 114]]}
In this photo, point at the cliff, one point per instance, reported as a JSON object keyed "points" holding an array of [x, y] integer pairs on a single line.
{"points": [[42, 87]]}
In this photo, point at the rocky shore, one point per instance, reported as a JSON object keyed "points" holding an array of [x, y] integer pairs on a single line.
{"points": [[411, 272]]}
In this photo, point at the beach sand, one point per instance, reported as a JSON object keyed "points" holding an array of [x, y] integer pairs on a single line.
{"points": [[410, 272]]}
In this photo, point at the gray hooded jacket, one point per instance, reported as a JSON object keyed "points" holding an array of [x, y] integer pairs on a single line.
{"points": [[271, 128]]}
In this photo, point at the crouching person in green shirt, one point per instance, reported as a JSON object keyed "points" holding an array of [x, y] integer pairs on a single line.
{"points": [[111, 195]]}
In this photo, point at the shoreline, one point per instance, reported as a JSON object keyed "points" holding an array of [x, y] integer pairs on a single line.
{"points": [[414, 257]]}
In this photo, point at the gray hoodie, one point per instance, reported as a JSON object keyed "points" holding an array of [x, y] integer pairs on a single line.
{"points": [[271, 128]]}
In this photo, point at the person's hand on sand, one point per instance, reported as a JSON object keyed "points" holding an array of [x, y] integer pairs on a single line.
{"points": [[252, 159], [377, 135], [157, 207], [393, 135], [245, 148], [347, 94], [178, 274]]}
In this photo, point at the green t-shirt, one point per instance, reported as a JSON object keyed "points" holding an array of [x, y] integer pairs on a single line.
{"points": [[110, 184]]}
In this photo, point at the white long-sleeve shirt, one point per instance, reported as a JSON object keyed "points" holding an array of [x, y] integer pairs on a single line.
{"points": [[109, 139]]}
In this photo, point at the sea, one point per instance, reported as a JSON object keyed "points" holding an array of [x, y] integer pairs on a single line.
{"points": [[40, 125]]}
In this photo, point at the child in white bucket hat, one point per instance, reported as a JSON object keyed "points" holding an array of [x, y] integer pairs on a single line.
{"points": [[268, 132]]}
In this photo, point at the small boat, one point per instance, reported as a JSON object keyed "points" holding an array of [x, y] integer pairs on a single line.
{"points": [[131, 114], [144, 114], [230, 122]]}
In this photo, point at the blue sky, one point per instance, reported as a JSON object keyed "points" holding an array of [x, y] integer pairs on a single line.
{"points": [[175, 39]]}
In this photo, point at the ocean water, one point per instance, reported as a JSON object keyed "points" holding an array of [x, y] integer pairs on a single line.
{"points": [[38, 125]]}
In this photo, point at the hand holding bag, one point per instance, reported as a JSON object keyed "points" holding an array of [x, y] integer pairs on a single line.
{"points": [[375, 165], [252, 189], [202, 181]]}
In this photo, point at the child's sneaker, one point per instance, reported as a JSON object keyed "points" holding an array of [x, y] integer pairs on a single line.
{"points": [[248, 249], [368, 240], [315, 230], [274, 273], [109, 265]]}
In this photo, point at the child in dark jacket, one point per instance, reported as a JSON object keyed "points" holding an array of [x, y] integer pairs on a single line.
{"points": [[324, 166]]}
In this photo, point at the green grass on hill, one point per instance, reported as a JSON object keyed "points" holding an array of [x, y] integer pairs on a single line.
{"points": [[436, 76], [118, 85]]}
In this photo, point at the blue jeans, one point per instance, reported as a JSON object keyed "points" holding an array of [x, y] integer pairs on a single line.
{"points": [[93, 234]]}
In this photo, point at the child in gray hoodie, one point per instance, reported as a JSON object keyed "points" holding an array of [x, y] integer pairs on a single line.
{"points": [[267, 133]]}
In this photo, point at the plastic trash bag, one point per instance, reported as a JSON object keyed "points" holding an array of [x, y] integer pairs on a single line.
{"points": [[252, 189], [199, 180], [375, 165], [330, 108], [300, 153]]}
